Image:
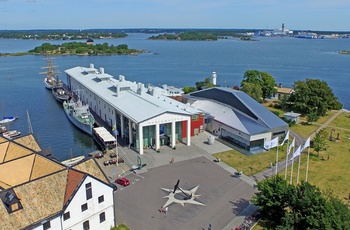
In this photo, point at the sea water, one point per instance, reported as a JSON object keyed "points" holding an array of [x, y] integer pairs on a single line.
{"points": [[178, 63]]}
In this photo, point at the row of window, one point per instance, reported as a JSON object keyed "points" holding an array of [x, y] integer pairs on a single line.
{"points": [[86, 224]]}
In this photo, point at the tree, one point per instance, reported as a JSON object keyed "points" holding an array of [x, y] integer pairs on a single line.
{"points": [[301, 206], [313, 96], [253, 90], [320, 141], [272, 199], [189, 89], [264, 80], [312, 117], [267, 83], [204, 84]]}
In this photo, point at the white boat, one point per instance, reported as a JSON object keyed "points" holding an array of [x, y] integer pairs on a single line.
{"points": [[11, 134], [79, 114], [73, 161], [8, 119], [50, 73], [2, 129]]}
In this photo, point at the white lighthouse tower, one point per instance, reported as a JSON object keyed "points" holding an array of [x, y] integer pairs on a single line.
{"points": [[214, 78]]}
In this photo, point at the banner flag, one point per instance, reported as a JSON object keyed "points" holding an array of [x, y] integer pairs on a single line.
{"points": [[296, 153], [270, 144], [291, 146], [306, 144], [285, 138]]}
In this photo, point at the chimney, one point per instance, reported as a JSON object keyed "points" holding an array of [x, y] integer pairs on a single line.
{"points": [[102, 70], [117, 89], [92, 66]]}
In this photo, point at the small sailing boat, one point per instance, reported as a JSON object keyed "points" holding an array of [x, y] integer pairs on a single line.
{"points": [[6, 119]]}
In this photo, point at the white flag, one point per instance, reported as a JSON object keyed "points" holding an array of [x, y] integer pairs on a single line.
{"points": [[306, 144], [291, 146], [270, 144], [296, 153], [286, 137]]}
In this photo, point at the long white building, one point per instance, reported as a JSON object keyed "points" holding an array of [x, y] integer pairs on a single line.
{"points": [[143, 116]]}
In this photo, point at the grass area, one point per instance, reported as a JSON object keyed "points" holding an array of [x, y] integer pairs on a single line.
{"points": [[327, 174], [121, 227], [251, 164]]}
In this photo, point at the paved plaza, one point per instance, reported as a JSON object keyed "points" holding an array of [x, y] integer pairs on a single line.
{"points": [[226, 197], [223, 194]]}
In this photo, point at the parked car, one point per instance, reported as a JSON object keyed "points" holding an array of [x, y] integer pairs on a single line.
{"points": [[122, 181], [113, 155], [105, 163], [99, 155]]}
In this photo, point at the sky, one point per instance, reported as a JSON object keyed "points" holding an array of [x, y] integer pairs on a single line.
{"points": [[316, 15]]}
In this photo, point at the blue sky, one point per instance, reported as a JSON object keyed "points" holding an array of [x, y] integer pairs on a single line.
{"points": [[237, 14]]}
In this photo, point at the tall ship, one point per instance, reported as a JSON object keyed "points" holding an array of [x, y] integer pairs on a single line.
{"points": [[79, 114], [60, 91], [50, 73]]}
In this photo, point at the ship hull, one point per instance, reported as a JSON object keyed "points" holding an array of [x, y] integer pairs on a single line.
{"points": [[83, 127]]}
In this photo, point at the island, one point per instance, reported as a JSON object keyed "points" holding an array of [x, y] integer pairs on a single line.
{"points": [[79, 48], [344, 52], [199, 36]]}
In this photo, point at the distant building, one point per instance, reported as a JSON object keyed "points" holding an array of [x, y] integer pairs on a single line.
{"points": [[90, 41], [282, 91], [39, 193], [236, 117], [143, 116], [291, 116]]}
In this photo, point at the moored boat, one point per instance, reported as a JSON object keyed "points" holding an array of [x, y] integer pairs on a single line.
{"points": [[2, 129], [79, 114], [8, 119], [60, 92], [73, 161], [104, 138], [50, 73], [11, 134]]}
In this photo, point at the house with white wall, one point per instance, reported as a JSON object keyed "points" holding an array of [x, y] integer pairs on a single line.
{"points": [[39, 193]]}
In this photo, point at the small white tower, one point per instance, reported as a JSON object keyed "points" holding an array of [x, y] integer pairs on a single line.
{"points": [[214, 78]]}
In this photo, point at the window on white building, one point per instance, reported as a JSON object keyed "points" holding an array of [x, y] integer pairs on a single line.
{"points": [[102, 217], [66, 216], [84, 207], [88, 188], [86, 225], [47, 225], [101, 199]]}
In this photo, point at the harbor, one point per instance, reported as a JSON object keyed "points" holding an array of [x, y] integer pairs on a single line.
{"points": [[286, 63]]}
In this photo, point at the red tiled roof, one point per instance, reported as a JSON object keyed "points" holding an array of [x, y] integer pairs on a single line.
{"points": [[74, 179]]}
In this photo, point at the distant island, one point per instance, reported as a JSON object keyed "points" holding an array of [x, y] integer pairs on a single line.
{"points": [[61, 34], [199, 36], [79, 48], [344, 52]]}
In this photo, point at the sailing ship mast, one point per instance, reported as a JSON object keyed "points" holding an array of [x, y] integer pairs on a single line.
{"points": [[29, 124]]}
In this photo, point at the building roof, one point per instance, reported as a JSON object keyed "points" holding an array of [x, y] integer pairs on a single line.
{"points": [[129, 97], [247, 114], [292, 114], [39, 185], [283, 90]]}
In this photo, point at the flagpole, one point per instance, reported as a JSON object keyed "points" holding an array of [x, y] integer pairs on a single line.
{"points": [[307, 164], [285, 173], [298, 169], [277, 157], [291, 171]]}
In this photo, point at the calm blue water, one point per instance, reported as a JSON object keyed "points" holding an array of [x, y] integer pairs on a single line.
{"points": [[178, 63]]}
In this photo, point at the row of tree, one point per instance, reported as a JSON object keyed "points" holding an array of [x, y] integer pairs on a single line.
{"points": [[312, 97], [302, 206], [82, 48]]}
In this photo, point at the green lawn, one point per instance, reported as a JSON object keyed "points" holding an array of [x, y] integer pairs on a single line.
{"points": [[121, 227], [327, 174]]}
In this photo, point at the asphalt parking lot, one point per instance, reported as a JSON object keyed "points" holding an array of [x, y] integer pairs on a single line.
{"points": [[224, 196]]}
